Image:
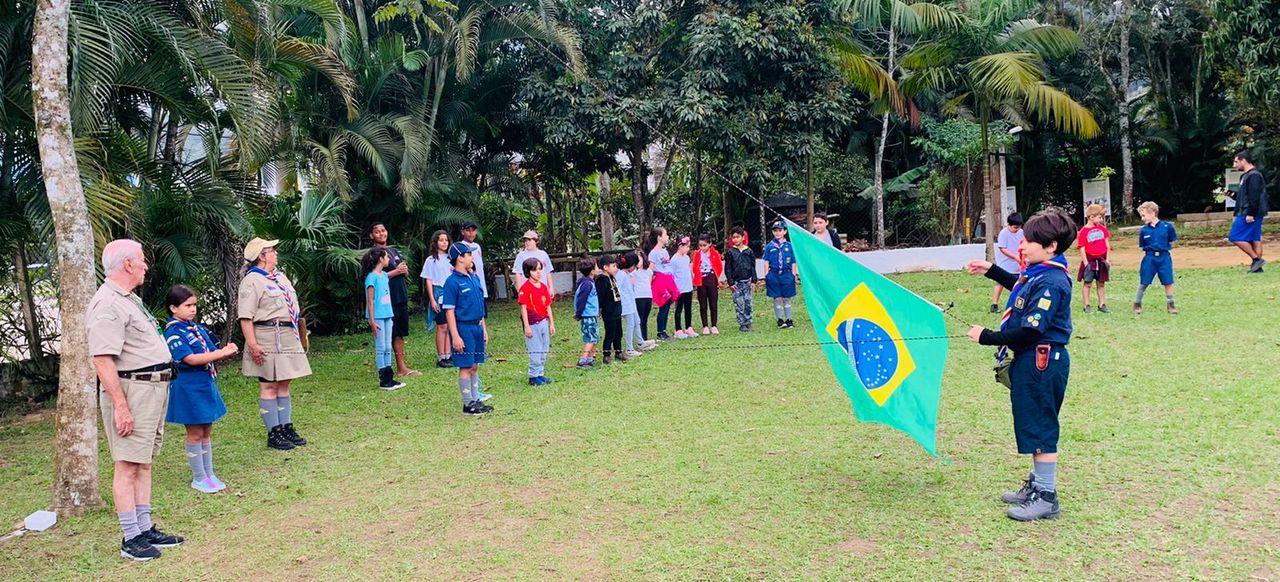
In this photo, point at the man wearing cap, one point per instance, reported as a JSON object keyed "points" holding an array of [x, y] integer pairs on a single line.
{"points": [[267, 307], [531, 251], [469, 232], [780, 274], [463, 305], [397, 270], [134, 370]]}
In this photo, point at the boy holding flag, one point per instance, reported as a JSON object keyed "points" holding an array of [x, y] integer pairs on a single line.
{"points": [[1034, 332]]}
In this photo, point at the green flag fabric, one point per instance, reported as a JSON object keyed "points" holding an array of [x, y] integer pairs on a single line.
{"points": [[887, 345]]}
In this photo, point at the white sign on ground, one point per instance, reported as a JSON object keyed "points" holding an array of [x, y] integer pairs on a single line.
{"points": [[1097, 191]]}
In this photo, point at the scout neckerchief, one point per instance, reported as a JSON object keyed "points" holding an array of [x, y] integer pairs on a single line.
{"points": [[284, 292], [1033, 271], [782, 245], [194, 329]]}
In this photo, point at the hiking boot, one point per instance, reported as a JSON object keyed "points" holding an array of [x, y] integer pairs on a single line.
{"points": [[1137, 309], [781, 324], [1103, 309], [1039, 505], [1173, 309], [1256, 265], [138, 549], [476, 408], [1088, 309], [159, 539], [1020, 496], [293, 435], [995, 308], [277, 440], [608, 360]]}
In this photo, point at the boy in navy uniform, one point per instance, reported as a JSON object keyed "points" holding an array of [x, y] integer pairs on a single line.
{"points": [[463, 304], [1034, 331], [1156, 239], [780, 274]]}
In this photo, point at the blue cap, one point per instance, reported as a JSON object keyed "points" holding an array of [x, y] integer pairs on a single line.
{"points": [[779, 225], [458, 249]]}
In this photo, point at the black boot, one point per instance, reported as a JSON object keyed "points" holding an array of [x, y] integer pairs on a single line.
{"points": [[384, 378], [276, 439], [292, 435]]}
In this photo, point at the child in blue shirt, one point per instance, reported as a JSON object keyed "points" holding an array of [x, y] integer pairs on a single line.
{"points": [[1156, 240], [586, 309], [377, 309], [464, 308], [194, 399], [1034, 331], [780, 274]]}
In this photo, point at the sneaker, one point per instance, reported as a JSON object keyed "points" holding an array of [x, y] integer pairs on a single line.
{"points": [[484, 396], [744, 328], [681, 335], [476, 408], [1137, 309], [217, 482], [781, 324], [1256, 265], [1020, 496], [159, 539], [1103, 309], [715, 330], [293, 435], [277, 440], [205, 486], [138, 550], [1088, 309], [1173, 309], [790, 324], [633, 354], [393, 386], [1039, 505], [585, 363], [706, 330], [445, 363], [647, 345], [535, 381], [690, 333], [543, 380], [995, 308], [663, 337], [608, 360]]}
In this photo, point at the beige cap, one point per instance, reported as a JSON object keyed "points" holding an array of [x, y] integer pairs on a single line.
{"points": [[256, 246], [533, 234]]}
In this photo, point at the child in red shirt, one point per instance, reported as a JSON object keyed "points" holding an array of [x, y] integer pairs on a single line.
{"points": [[539, 325], [1094, 241]]}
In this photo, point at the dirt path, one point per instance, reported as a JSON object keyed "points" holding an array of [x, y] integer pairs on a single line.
{"points": [[1201, 252]]}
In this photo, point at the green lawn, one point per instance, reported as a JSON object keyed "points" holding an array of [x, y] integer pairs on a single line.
{"points": [[742, 461]]}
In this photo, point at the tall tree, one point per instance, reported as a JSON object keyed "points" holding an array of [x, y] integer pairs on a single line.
{"points": [[1108, 51], [75, 488]]}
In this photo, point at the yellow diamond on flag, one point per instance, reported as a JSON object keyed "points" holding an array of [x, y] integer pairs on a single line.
{"points": [[868, 334]]}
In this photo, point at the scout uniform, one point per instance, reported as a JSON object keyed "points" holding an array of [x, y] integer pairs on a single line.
{"points": [[193, 396], [121, 327], [270, 302], [780, 282], [1157, 241], [465, 296], [1040, 301]]}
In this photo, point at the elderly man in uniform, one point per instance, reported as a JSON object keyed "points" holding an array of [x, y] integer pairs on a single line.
{"points": [[134, 369]]}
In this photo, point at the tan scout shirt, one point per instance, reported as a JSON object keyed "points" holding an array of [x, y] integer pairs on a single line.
{"points": [[120, 326], [262, 300]]}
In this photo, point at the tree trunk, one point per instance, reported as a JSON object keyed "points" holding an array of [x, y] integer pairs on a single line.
{"points": [[808, 191], [877, 203], [75, 482], [993, 196], [362, 23], [170, 155], [1122, 99], [726, 207], [605, 187], [635, 153], [29, 321]]}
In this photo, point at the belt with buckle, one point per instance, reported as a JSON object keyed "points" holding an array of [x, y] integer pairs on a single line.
{"points": [[274, 323], [156, 373], [1156, 253]]}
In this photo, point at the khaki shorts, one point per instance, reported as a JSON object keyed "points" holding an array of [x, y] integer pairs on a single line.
{"points": [[148, 402]]}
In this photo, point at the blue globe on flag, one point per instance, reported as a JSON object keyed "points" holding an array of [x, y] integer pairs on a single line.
{"points": [[871, 350]]}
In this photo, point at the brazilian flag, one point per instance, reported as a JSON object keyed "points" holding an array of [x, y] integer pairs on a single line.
{"points": [[887, 345]]}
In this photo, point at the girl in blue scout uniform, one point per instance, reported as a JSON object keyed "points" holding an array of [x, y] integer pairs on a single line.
{"points": [[194, 400], [780, 274], [1156, 240], [463, 304], [1034, 332]]}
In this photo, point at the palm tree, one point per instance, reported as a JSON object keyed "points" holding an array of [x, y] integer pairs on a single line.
{"points": [[885, 26], [994, 67]]}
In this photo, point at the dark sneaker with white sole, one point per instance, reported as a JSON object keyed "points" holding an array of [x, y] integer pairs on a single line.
{"points": [[160, 539], [1020, 496], [138, 550], [1039, 505], [1256, 265], [476, 408]]}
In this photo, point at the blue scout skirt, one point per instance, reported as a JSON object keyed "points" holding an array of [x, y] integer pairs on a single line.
{"points": [[194, 399]]}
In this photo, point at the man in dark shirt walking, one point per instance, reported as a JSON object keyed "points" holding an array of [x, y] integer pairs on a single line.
{"points": [[1251, 208]]}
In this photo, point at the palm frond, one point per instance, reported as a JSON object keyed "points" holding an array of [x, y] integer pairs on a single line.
{"points": [[1054, 106], [1045, 40]]}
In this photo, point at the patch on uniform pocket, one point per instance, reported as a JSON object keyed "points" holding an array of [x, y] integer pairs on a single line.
{"points": [[1034, 320], [1044, 303], [1019, 303]]}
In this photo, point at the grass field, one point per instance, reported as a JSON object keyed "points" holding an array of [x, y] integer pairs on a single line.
{"points": [[737, 460]]}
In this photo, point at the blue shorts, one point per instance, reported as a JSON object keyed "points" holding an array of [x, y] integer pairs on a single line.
{"points": [[1156, 263], [590, 330], [1242, 231], [1036, 397], [778, 285], [472, 346]]}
